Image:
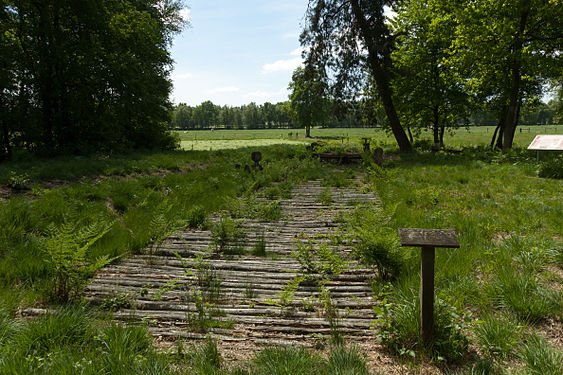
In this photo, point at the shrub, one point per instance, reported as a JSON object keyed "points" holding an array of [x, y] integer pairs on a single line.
{"points": [[18, 181], [66, 250], [399, 328], [552, 168]]}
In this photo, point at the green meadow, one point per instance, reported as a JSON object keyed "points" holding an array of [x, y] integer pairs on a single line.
{"points": [[499, 298], [456, 138]]}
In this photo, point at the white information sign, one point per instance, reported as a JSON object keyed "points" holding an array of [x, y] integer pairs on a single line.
{"points": [[547, 143]]}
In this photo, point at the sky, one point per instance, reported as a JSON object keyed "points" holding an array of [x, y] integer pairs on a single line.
{"points": [[237, 52]]}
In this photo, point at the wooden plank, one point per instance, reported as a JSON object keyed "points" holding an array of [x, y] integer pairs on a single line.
{"points": [[255, 321], [428, 237]]}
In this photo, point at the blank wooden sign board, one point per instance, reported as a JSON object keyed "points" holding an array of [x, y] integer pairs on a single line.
{"points": [[428, 240]]}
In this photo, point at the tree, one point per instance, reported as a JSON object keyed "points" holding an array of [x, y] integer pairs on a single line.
{"points": [[182, 117], [352, 39], [89, 75], [507, 49], [251, 116], [307, 98], [429, 90]]}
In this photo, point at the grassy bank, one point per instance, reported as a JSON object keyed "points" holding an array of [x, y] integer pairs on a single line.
{"points": [[498, 297], [501, 290]]}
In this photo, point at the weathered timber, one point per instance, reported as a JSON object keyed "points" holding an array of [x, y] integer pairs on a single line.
{"points": [[249, 287]]}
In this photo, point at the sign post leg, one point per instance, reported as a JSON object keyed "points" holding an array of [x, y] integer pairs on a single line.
{"points": [[427, 293]]}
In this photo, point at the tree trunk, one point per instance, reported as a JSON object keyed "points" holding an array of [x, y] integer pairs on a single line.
{"points": [[500, 137], [511, 118], [496, 142], [436, 126], [307, 131], [410, 135], [493, 140], [442, 131], [381, 76]]}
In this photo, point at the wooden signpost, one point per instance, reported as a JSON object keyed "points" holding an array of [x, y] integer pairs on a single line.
{"points": [[428, 240]]}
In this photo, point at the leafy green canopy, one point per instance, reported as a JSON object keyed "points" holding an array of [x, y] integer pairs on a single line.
{"points": [[428, 91], [307, 98], [506, 50], [84, 76], [351, 40]]}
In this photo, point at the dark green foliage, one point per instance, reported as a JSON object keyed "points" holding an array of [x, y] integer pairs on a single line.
{"points": [[552, 168], [86, 76], [398, 321]]}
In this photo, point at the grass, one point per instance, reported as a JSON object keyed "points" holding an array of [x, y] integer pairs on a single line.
{"points": [[67, 342], [509, 225], [182, 195], [213, 144], [508, 221], [498, 336], [461, 137]]}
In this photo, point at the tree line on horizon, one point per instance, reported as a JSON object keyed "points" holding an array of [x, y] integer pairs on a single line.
{"points": [[350, 115]]}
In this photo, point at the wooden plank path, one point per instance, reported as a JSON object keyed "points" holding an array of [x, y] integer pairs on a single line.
{"points": [[244, 292]]}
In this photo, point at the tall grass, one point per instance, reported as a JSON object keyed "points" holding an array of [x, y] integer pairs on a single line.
{"points": [[179, 188], [508, 221]]}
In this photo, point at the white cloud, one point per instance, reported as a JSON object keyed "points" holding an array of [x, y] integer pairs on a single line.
{"points": [[185, 14], [224, 89], [182, 76], [260, 96], [297, 51], [282, 65]]}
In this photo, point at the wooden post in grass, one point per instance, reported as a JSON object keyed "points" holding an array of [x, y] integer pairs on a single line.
{"points": [[428, 240]]}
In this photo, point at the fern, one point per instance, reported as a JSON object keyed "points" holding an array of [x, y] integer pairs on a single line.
{"points": [[66, 252]]}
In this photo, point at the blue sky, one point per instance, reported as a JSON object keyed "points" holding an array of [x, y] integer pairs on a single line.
{"points": [[237, 52]]}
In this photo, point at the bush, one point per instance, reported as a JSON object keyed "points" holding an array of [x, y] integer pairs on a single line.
{"points": [[378, 243], [399, 328], [552, 168]]}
